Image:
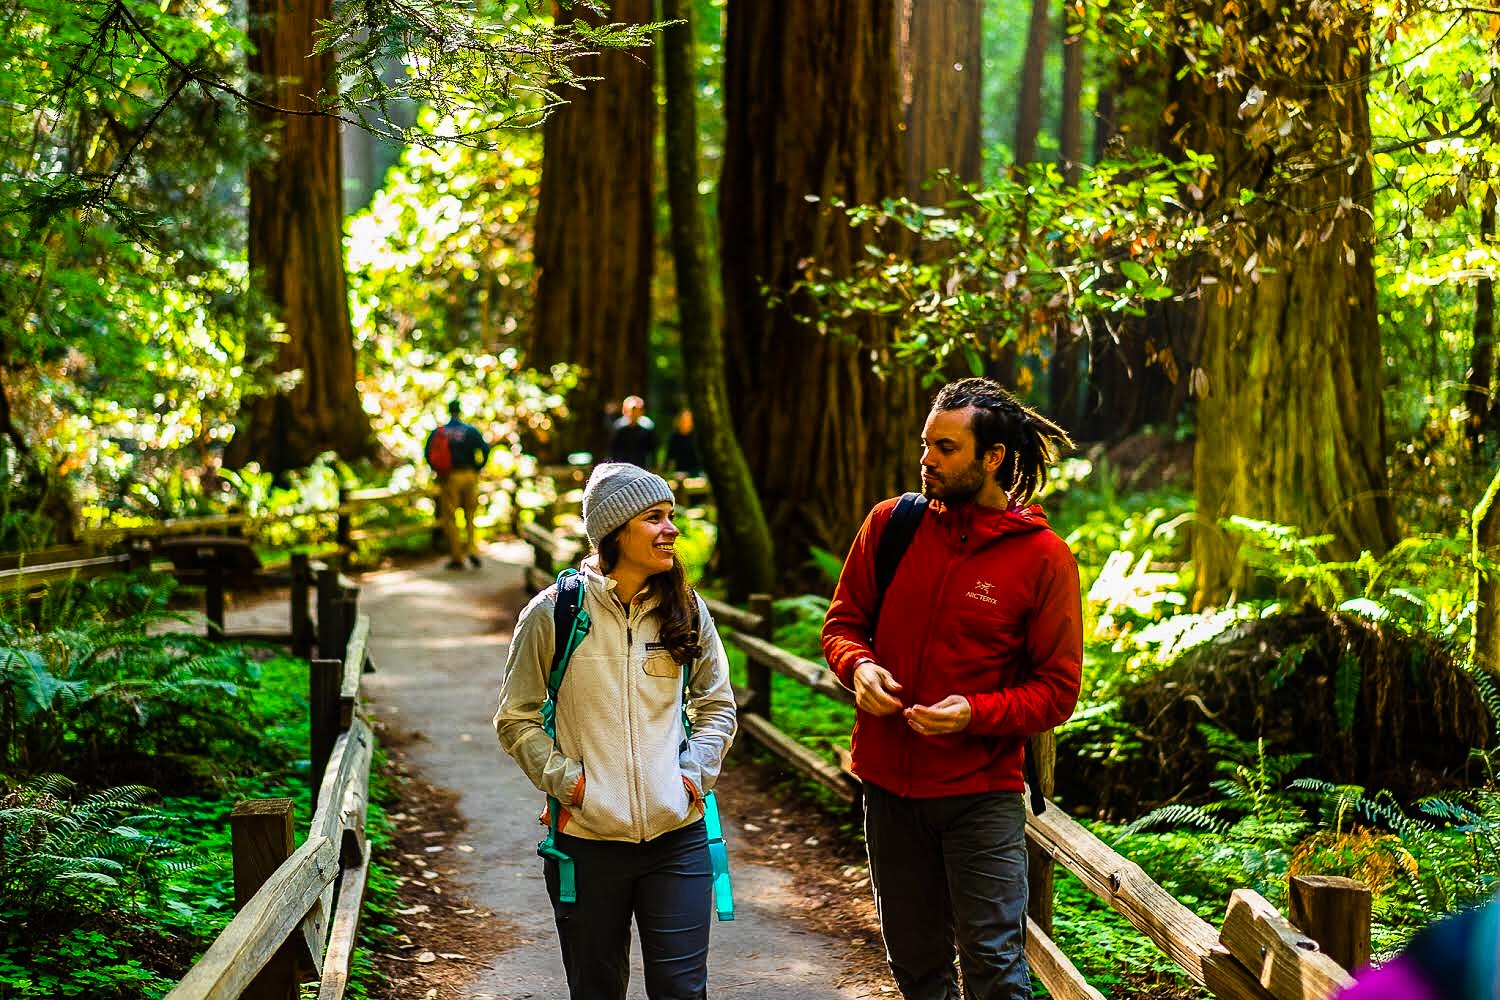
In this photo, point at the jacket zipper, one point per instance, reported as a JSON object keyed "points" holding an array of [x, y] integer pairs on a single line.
{"points": [[935, 603]]}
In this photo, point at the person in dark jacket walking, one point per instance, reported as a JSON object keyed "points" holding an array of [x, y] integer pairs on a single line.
{"points": [[464, 454], [987, 650]]}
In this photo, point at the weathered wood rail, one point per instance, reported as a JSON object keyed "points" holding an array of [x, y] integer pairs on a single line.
{"points": [[1257, 954], [298, 905]]}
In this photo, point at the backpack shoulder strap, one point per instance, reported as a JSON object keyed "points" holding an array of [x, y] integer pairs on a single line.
{"points": [[570, 623], [895, 539]]}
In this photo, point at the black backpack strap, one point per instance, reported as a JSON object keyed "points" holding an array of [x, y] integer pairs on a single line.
{"points": [[895, 539], [564, 621]]}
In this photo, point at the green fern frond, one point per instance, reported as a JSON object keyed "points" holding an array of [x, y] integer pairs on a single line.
{"points": [[1175, 816]]}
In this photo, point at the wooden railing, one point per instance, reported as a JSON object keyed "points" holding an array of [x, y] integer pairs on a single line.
{"points": [[1257, 954], [298, 906]]}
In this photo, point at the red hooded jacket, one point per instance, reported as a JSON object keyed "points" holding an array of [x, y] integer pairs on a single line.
{"points": [[985, 604]]}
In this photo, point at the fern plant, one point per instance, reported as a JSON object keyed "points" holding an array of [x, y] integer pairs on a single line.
{"points": [[85, 855], [1447, 848], [1258, 819]]}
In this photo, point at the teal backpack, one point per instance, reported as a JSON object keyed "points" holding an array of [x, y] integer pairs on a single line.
{"points": [[570, 624]]}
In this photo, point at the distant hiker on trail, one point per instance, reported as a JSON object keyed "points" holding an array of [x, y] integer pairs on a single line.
{"points": [[456, 451], [682, 449], [616, 704], [633, 439], [986, 650]]}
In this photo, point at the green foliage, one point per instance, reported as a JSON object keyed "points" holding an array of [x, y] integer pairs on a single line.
{"points": [[93, 688], [1424, 581], [1256, 821], [1007, 262], [1447, 848], [84, 855]]}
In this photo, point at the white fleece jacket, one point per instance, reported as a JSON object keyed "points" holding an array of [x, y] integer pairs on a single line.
{"points": [[619, 717]]}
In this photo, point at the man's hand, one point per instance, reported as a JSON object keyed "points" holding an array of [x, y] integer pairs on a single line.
{"points": [[875, 689], [951, 715]]}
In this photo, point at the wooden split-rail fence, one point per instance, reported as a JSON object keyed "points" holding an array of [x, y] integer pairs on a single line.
{"points": [[1257, 953], [297, 905]]}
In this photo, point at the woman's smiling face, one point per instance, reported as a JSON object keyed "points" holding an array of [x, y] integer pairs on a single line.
{"points": [[648, 543]]}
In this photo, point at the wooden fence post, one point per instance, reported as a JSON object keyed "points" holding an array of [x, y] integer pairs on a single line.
{"points": [[302, 628], [757, 674], [1335, 912], [260, 834], [344, 524], [330, 636], [348, 612], [325, 678], [1040, 870]]}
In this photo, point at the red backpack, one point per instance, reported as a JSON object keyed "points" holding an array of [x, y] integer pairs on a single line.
{"points": [[440, 452]]}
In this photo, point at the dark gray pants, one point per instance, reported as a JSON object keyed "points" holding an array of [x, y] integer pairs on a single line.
{"points": [[666, 884], [950, 873]]}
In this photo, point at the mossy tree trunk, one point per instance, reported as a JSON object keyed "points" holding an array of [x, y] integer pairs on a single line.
{"points": [[296, 251], [595, 233], [1486, 581], [810, 104], [1291, 424], [745, 548]]}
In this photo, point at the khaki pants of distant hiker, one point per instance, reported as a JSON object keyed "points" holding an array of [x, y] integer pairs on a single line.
{"points": [[460, 491]]}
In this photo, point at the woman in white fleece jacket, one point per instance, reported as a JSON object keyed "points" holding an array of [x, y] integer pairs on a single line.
{"points": [[629, 780]]}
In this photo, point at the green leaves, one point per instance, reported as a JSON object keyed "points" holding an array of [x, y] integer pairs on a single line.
{"points": [[1006, 263]]}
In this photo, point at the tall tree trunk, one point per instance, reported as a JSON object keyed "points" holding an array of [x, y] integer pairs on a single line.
{"points": [[810, 103], [1029, 93], [1479, 397], [1291, 425], [595, 233], [1486, 651], [1068, 382], [296, 250], [745, 538], [1136, 364], [938, 60]]}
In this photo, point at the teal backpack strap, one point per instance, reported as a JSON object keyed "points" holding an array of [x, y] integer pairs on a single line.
{"points": [[570, 624], [718, 852]]}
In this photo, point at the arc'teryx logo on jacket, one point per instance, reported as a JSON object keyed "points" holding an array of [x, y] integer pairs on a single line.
{"points": [[985, 604]]}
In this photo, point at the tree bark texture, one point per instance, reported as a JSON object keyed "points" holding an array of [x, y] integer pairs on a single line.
{"points": [[746, 554], [1291, 424], [811, 106], [1029, 93], [938, 59], [1069, 379], [296, 251], [1479, 397], [1486, 584], [595, 231]]}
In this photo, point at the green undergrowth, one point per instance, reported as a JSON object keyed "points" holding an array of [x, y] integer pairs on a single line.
{"points": [[111, 890]]}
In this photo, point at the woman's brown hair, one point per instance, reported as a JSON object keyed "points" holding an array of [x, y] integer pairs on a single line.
{"points": [[676, 603]]}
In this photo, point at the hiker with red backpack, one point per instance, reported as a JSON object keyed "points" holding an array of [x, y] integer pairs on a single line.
{"points": [[617, 706], [456, 451], [979, 646]]}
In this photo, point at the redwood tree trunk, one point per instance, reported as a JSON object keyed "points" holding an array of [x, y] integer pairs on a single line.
{"points": [[938, 60], [1029, 93], [1479, 396], [810, 103], [296, 228], [595, 226], [1068, 382], [1291, 425], [746, 551]]}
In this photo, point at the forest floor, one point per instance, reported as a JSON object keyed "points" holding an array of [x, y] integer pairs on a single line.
{"points": [[473, 919]]}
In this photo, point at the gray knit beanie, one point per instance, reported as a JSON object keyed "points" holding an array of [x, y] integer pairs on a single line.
{"points": [[616, 492]]}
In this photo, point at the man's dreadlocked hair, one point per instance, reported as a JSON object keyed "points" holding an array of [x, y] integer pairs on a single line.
{"points": [[1032, 442]]}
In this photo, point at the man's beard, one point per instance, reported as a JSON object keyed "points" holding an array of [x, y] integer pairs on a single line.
{"points": [[961, 489]]}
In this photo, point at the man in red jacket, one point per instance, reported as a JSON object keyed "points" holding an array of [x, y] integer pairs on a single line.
{"points": [[978, 646]]}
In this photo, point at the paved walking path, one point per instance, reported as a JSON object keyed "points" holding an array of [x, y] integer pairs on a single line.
{"points": [[439, 640]]}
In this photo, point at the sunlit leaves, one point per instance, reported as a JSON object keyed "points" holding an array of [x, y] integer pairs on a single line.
{"points": [[1010, 260]]}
